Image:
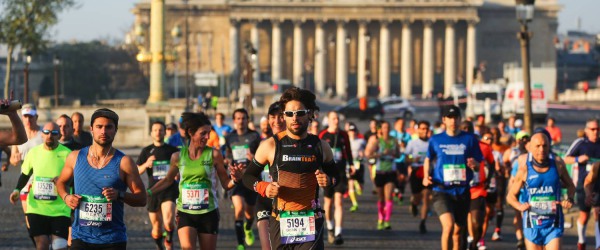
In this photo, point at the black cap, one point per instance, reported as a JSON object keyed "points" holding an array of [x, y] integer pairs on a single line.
{"points": [[275, 108], [352, 127], [451, 111], [106, 113]]}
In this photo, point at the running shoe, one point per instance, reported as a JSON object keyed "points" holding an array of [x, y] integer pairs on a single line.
{"points": [[339, 240], [353, 208], [380, 225], [241, 247], [330, 236], [387, 225], [249, 235], [469, 240], [422, 228], [496, 236], [481, 245]]}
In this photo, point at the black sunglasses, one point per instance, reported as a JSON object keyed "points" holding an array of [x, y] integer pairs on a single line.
{"points": [[298, 113], [54, 132]]}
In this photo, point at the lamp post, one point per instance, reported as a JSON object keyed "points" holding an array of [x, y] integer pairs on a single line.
{"points": [[249, 58], [26, 77], [367, 62], [524, 13], [176, 35], [56, 63], [188, 87]]}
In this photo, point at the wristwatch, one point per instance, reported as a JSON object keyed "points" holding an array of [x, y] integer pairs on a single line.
{"points": [[121, 196]]}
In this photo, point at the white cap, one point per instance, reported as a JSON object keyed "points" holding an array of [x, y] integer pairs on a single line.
{"points": [[518, 123]]}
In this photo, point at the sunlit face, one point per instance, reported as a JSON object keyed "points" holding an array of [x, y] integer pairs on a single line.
{"points": [[240, 120], [333, 120], [297, 125], [103, 131], [501, 126], [451, 122], [276, 122], [399, 125], [264, 126], [591, 131], [385, 128], [29, 121], [423, 131], [66, 128], [77, 122], [219, 119], [200, 137], [157, 132], [539, 147], [50, 138], [550, 123], [373, 125]]}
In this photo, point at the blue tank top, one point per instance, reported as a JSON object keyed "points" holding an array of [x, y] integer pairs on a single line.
{"points": [[98, 221], [542, 191]]}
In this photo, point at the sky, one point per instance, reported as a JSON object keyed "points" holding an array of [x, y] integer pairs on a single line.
{"points": [[101, 19]]}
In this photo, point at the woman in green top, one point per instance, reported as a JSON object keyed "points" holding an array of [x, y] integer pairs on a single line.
{"points": [[198, 166]]}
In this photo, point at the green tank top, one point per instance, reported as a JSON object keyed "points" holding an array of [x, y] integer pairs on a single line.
{"points": [[197, 192], [386, 162]]}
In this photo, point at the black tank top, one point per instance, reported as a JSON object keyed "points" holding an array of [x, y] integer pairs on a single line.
{"points": [[294, 167]]}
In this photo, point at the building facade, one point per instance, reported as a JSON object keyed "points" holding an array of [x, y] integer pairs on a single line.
{"points": [[355, 48]]}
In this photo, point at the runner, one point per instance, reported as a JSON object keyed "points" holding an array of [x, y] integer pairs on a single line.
{"points": [[66, 133], [384, 150], [497, 189], [299, 162], [264, 206], [511, 159], [241, 147], [584, 154], [592, 192], [554, 131], [100, 193], [451, 158], [154, 160], [198, 166], [47, 214], [416, 151], [178, 139], [17, 135], [265, 130], [19, 152], [357, 144], [403, 138], [492, 201], [540, 175], [81, 136], [342, 155]]}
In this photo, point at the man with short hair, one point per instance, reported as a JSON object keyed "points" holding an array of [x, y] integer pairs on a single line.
{"points": [[451, 158], [241, 146], [584, 154], [81, 136], [541, 175], [554, 131], [416, 151], [154, 160], [47, 215], [101, 176], [66, 133]]}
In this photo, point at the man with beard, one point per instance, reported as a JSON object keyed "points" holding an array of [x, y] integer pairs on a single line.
{"points": [[47, 214], [298, 163], [101, 175], [154, 160], [66, 133]]}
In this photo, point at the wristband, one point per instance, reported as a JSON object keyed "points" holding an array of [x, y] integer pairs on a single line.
{"points": [[576, 159], [65, 197], [149, 192], [17, 190]]}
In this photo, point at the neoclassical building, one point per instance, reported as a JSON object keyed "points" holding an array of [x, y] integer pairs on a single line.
{"points": [[352, 47]]}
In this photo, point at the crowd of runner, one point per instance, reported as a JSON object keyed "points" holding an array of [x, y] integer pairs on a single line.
{"points": [[74, 184]]}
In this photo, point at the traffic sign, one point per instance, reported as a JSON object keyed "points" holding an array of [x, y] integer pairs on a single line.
{"points": [[206, 79]]}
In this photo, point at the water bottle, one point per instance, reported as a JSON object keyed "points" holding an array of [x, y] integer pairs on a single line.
{"points": [[12, 106]]}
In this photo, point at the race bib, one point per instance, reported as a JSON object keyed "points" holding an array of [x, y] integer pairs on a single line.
{"points": [[240, 153], [94, 211], [160, 169], [297, 227], [455, 174], [44, 189], [194, 196], [543, 205], [337, 154]]}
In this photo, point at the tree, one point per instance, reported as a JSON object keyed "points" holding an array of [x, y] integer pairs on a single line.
{"points": [[25, 24]]}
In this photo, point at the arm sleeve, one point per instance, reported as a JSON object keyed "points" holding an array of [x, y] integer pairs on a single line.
{"points": [[347, 147], [26, 167], [331, 170], [143, 157], [252, 174], [23, 179]]}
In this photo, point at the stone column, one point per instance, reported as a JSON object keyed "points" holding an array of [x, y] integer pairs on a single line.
{"points": [[298, 54], [427, 57], [361, 77], [471, 51], [449, 59], [275, 51], [254, 39], [384, 59], [234, 53], [341, 71], [406, 61], [320, 58], [157, 47]]}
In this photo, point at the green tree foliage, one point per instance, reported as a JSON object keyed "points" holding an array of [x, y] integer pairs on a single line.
{"points": [[26, 24]]}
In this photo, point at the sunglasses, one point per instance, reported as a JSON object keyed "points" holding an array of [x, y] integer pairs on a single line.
{"points": [[298, 113], [485, 138], [53, 132]]}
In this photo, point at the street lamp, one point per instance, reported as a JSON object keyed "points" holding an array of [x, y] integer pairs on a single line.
{"points": [[188, 87], [367, 63], [56, 63], [249, 59], [26, 77], [176, 35], [524, 13]]}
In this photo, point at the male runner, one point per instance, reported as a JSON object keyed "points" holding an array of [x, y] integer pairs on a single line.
{"points": [[81, 136], [66, 133], [416, 151]]}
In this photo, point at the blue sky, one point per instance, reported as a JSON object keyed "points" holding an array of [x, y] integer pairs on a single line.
{"points": [[110, 18]]}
